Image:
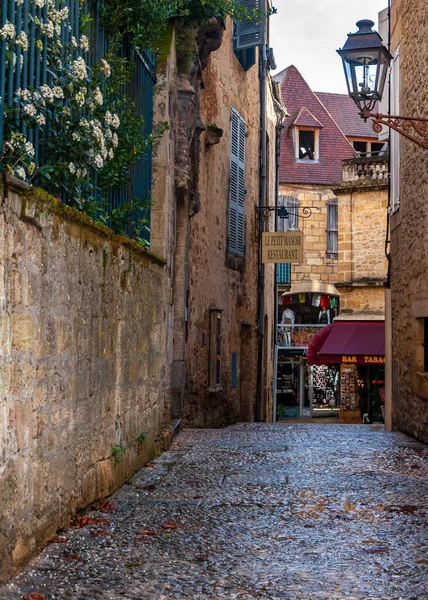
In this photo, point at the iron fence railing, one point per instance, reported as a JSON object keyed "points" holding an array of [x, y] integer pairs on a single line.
{"points": [[27, 68]]}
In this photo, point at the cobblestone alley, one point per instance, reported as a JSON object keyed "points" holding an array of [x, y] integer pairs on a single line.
{"points": [[313, 511]]}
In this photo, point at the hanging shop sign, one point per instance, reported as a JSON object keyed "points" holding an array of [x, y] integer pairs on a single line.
{"points": [[281, 247]]}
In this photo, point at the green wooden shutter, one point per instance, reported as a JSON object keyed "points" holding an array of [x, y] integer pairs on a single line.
{"points": [[249, 34], [237, 184]]}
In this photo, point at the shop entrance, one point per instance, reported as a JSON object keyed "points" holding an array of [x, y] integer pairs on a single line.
{"points": [[301, 390], [324, 390]]}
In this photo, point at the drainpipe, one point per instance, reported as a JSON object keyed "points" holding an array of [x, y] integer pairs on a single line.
{"points": [[261, 220], [388, 309]]}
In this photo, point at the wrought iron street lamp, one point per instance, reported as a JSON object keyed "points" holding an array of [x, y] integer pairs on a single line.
{"points": [[365, 62]]}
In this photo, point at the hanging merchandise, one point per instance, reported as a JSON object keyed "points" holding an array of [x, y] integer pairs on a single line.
{"points": [[325, 301], [302, 298], [334, 302], [308, 299], [286, 300], [295, 299], [324, 316], [316, 299]]}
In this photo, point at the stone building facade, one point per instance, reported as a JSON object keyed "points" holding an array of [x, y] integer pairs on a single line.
{"points": [[333, 171], [223, 327], [408, 224], [347, 178]]}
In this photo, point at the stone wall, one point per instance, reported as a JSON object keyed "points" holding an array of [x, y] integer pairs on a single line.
{"points": [[84, 365], [409, 231], [362, 264], [316, 267], [218, 279]]}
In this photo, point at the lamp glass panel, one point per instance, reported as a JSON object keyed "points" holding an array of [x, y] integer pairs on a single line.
{"points": [[366, 78]]}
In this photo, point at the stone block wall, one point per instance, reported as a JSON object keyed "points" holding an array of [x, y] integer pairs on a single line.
{"points": [[316, 266], [409, 230], [216, 278], [84, 365], [362, 230]]}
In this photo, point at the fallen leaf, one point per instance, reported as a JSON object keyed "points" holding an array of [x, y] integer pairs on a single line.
{"points": [[169, 525], [59, 539], [146, 532], [99, 532], [95, 521], [34, 596], [150, 465], [71, 556], [107, 507], [82, 521]]}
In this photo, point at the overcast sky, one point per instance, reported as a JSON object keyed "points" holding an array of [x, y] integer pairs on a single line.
{"points": [[307, 33]]}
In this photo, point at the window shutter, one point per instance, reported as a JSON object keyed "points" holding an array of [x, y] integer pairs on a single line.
{"points": [[291, 223], [249, 34], [283, 273], [332, 229], [237, 184]]}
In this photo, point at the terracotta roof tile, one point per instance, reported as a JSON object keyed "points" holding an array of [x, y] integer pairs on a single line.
{"points": [[305, 118], [345, 113], [333, 145]]}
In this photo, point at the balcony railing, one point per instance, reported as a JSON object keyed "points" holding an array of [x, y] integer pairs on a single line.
{"points": [[368, 168], [296, 336]]}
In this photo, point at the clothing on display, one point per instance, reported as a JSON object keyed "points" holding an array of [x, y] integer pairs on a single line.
{"points": [[316, 299], [324, 316], [287, 317], [325, 301]]}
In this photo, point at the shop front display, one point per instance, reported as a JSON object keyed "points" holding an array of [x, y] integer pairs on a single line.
{"points": [[325, 389], [358, 348]]}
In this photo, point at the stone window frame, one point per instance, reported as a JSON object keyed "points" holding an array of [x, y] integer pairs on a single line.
{"points": [[215, 350], [316, 149]]}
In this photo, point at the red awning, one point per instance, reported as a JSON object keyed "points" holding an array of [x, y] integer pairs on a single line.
{"points": [[316, 344], [359, 342]]}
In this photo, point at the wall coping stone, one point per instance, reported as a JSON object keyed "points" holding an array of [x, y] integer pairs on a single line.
{"points": [[68, 213]]}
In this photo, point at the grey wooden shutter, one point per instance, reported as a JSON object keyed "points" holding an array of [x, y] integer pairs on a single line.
{"points": [[249, 34], [291, 223], [332, 229], [237, 184]]}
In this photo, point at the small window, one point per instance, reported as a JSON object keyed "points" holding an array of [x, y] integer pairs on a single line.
{"points": [[306, 145], [234, 369], [376, 148], [332, 229], [215, 351], [425, 344], [360, 147]]}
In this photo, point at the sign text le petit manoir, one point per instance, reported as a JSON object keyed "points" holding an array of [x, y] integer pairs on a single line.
{"points": [[282, 247]]}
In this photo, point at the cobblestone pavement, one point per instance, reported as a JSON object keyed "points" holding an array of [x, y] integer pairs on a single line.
{"points": [[313, 511]]}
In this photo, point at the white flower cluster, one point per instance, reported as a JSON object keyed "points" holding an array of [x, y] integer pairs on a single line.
{"points": [[8, 31], [22, 40], [84, 43], [47, 93], [105, 68], [98, 97], [78, 68]]}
